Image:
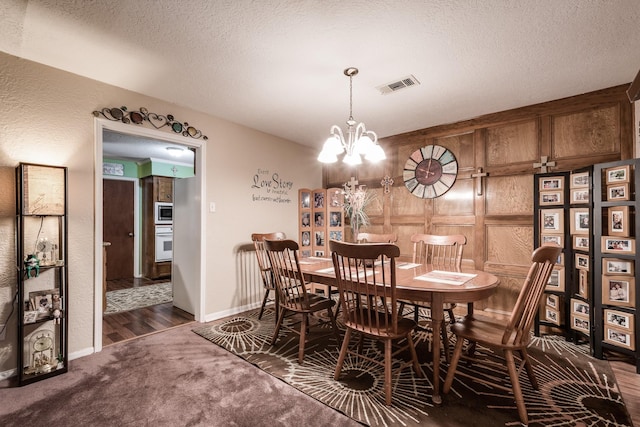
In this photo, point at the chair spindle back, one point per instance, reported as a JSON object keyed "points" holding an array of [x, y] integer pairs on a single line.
{"points": [[443, 251], [285, 266]]}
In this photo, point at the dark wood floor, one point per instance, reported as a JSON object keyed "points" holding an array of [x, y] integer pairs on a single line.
{"points": [[131, 324]]}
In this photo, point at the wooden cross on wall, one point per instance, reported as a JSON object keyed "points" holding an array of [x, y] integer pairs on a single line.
{"points": [[544, 164], [353, 183], [387, 182], [479, 175]]}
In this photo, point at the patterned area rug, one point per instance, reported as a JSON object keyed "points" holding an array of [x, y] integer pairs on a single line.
{"points": [[142, 296], [575, 389]]}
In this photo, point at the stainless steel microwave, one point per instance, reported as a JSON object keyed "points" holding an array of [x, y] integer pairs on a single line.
{"points": [[163, 213]]}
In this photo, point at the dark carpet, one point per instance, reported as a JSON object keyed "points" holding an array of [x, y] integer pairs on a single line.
{"points": [[575, 389]]}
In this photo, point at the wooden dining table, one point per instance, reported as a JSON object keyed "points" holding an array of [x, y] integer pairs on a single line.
{"points": [[421, 283]]}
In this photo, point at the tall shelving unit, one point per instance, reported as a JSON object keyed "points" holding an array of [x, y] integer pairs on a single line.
{"points": [[616, 258], [41, 222], [321, 218]]}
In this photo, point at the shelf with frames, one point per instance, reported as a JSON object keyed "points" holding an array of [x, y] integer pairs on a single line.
{"points": [[42, 279], [321, 218], [616, 299]]}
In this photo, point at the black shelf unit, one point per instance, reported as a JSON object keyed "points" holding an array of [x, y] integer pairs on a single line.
{"points": [[616, 258], [42, 279]]}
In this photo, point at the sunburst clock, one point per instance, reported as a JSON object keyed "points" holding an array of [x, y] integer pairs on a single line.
{"points": [[430, 171]]}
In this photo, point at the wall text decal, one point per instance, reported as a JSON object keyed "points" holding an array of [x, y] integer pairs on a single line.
{"points": [[270, 187]]}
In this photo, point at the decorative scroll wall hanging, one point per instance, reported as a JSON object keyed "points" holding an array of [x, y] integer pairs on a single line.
{"points": [[157, 121]]}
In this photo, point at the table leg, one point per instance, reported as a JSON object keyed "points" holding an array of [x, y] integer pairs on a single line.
{"points": [[437, 317]]}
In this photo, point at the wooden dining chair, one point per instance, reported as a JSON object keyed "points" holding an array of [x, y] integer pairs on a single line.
{"points": [[265, 267], [443, 252], [510, 336], [377, 238], [293, 295], [368, 299]]}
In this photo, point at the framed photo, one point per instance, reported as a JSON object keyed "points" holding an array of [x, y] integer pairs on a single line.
{"points": [[335, 219], [551, 183], [579, 195], [580, 307], [335, 235], [579, 180], [42, 302], [556, 280], [305, 200], [580, 323], [560, 260], [318, 219], [617, 245], [619, 338], [553, 301], [618, 192], [618, 174], [619, 319], [615, 266], [551, 221], [305, 220], [318, 254], [319, 237], [336, 198], [583, 283], [582, 262], [305, 239], [558, 239], [552, 316], [618, 220], [581, 242], [579, 220], [551, 198], [619, 290], [30, 317], [318, 199]]}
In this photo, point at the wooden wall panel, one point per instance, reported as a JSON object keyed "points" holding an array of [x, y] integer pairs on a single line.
{"points": [[457, 201], [586, 133], [509, 195], [509, 245], [404, 203], [512, 143]]}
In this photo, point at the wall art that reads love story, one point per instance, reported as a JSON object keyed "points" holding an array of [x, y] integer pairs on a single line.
{"points": [[269, 186]]}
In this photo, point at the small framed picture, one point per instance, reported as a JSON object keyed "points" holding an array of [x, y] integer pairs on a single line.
{"points": [[551, 220], [618, 245], [618, 192], [619, 338], [552, 316], [582, 262], [551, 183], [556, 280], [335, 235], [553, 301], [579, 307], [318, 199], [619, 319], [551, 198], [583, 283], [305, 238], [30, 317], [619, 290], [580, 323], [336, 198], [581, 242], [318, 253], [579, 180], [615, 266], [579, 220], [319, 238], [558, 239], [305, 220], [318, 219], [335, 219], [305, 199], [618, 218], [42, 302], [579, 195], [618, 174]]}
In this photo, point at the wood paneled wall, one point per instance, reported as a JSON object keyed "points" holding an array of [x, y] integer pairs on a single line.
{"points": [[495, 213]]}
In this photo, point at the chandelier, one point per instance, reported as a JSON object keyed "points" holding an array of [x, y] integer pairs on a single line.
{"points": [[358, 142]]}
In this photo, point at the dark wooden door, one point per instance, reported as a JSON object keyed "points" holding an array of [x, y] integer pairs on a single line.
{"points": [[117, 208]]}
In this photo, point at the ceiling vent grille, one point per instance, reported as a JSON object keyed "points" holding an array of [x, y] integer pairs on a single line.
{"points": [[395, 86]]}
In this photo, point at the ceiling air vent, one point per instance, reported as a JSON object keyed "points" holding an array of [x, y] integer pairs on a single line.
{"points": [[399, 84]]}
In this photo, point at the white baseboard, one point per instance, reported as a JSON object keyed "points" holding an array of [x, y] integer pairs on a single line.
{"points": [[230, 312]]}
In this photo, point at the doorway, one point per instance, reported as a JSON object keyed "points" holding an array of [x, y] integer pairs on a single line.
{"points": [[192, 263]]}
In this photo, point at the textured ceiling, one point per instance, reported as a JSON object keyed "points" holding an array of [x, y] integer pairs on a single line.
{"points": [[276, 66]]}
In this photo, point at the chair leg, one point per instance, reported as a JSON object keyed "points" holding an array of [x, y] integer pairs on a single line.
{"points": [[387, 372], [515, 385], [452, 317], [457, 352], [343, 353], [264, 302], [303, 337], [334, 326], [445, 341], [278, 325], [529, 368], [414, 356], [401, 310], [416, 314]]}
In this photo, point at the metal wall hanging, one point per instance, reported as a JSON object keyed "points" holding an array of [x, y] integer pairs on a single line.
{"points": [[157, 121]]}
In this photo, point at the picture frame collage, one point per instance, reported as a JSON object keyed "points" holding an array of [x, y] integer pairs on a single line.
{"points": [[321, 218], [551, 193]]}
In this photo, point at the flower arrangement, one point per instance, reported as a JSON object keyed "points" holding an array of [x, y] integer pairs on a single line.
{"points": [[355, 202]]}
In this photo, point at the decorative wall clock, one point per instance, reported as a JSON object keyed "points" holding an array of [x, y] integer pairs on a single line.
{"points": [[430, 171]]}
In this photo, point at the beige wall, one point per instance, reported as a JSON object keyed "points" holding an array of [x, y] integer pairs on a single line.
{"points": [[46, 118]]}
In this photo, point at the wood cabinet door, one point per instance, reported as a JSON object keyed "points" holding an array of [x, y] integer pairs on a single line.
{"points": [[163, 188], [118, 227]]}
